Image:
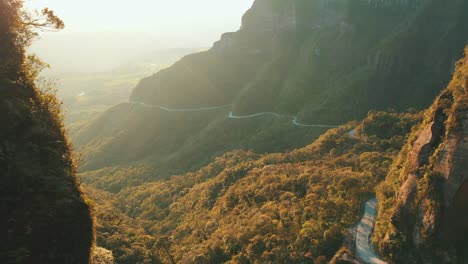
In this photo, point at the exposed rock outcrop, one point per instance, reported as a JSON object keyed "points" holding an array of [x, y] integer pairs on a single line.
{"points": [[423, 218]]}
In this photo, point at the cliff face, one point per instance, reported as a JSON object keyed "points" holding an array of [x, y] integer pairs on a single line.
{"points": [[44, 218], [309, 57], [424, 199]]}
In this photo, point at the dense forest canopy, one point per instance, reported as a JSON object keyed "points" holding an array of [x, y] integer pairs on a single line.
{"points": [[246, 207]]}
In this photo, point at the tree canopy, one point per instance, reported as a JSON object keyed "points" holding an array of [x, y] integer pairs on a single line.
{"points": [[18, 27]]}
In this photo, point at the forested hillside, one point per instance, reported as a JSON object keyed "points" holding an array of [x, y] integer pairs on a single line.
{"points": [[44, 217], [246, 207], [324, 62]]}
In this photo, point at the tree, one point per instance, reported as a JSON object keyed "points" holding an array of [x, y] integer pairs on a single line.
{"points": [[18, 27]]}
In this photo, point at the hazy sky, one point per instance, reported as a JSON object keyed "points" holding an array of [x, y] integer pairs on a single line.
{"points": [[157, 17], [102, 34]]}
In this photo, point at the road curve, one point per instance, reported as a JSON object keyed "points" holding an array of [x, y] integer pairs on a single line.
{"points": [[364, 249], [231, 114]]}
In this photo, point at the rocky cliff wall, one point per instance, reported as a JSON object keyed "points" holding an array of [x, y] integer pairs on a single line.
{"points": [[423, 213]]}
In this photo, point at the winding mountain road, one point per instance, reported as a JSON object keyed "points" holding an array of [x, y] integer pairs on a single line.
{"points": [[231, 114], [364, 250]]}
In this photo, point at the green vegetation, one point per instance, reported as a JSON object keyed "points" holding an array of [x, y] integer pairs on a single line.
{"points": [[44, 216], [248, 208]]}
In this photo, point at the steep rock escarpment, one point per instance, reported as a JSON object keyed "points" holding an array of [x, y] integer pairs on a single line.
{"points": [[328, 60], [43, 216], [424, 210]]}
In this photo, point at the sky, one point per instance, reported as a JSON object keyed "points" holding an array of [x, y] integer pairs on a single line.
{"points": [[110, 32], [155, 17]]}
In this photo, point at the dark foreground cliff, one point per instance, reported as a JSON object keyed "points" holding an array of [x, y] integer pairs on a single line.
{"points": [[43, 216], [423, 213]]}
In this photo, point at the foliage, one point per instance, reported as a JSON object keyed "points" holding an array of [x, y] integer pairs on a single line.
{"points": [[102, 256], [120, 233], [18, 28], [274, 208]]}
